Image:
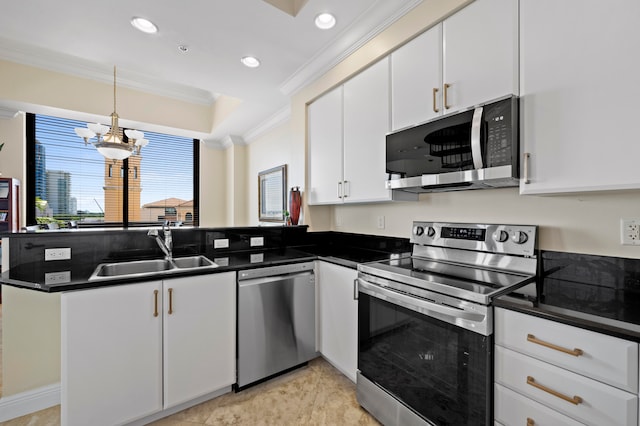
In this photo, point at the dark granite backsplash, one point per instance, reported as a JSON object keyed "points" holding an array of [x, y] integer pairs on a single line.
{"points": [[113, 245]]}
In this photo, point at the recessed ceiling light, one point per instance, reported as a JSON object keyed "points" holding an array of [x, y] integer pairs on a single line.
{"points": [[250, 61], [324, 21], [144, 25]]}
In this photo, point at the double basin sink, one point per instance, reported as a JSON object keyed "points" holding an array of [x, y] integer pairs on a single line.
{"points": [[141, 268]]}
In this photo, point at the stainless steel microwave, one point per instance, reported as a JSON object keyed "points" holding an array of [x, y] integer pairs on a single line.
{"points": [[474, 149]]}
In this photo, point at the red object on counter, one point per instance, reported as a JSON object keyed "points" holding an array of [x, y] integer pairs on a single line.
{"points": [[295, 202]]}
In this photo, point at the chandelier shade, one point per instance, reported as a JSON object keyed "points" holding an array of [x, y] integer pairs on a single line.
{"points": [[108, 141]]}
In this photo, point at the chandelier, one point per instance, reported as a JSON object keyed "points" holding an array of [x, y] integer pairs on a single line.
{"points": [[108, 141]]}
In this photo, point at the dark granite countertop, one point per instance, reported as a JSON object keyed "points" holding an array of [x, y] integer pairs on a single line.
{"points": [[89, 251], [597, 293]]}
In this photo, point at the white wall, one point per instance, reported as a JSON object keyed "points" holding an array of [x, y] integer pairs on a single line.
{"points": [[213, 187], [272, 149], [30, 340]]}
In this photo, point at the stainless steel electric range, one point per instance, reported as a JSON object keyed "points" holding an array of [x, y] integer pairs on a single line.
{"points": [[425, 345]]}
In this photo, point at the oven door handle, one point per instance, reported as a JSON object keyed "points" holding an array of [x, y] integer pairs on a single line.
{"points": [[453, 315]]}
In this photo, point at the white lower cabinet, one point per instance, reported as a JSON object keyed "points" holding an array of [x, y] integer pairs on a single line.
{"points": [[514, 409], [547, 372], [125, 357], [199, 336], [338, 317]]}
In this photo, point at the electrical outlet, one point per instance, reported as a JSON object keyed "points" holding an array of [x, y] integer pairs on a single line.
{"points": [[380, 222], [57, 254], [52, 278], [221, 243], [256, 241], [630, 232]]}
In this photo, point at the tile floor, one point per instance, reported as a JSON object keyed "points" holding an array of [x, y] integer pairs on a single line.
{"points": [[314, 395]]}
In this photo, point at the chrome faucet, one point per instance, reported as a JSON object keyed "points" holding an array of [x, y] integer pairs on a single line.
{"points": [[165, 245]]}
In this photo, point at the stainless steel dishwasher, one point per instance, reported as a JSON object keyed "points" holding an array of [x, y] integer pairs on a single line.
{"points": [[276, 320]]}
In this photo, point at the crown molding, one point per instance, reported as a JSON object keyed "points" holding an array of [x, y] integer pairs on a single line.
{"points": [[271, 123], [6, 113], [26, 54], [383, 11], [224, 143]]}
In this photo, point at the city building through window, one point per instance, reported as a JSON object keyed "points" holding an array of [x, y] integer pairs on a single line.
{"points": [[69, 181]]}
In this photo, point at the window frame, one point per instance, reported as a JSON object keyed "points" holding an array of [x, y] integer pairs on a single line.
{"points": [[30, 192]]}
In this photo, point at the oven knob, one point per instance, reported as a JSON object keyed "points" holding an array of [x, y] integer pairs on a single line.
{"points": [[501, 236], [520, 237], [430, 231], [418, 230]]}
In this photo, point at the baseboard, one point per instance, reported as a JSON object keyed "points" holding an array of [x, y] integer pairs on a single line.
{"points": [[29, 402]]}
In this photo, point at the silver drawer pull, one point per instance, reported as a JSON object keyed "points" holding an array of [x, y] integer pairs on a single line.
{"points": [[575, 352], [575, 400]]}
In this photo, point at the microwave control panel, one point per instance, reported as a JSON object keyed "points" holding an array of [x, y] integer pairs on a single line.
{"points": [[501, 128]]}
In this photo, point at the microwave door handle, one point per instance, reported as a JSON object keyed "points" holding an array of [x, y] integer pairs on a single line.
{"points": [[476, 146]]}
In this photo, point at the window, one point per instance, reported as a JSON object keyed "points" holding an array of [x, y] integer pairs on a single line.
{"points": [[70, 181]]}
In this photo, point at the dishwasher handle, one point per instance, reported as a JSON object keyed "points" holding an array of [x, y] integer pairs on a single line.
{"points": [[264, 280]]}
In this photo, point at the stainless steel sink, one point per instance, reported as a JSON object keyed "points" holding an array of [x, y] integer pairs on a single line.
{"points": [[139, 268], [133, 268], [193, 262]]}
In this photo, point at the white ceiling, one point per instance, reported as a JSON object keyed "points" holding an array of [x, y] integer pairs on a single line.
{"points": [[87, 38]]}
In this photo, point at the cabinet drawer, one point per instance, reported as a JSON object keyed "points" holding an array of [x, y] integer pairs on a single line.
{"points": [[511, 408], [607, 359], [598, 404]]}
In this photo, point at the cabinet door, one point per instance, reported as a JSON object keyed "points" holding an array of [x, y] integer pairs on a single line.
{"points": [[338, 311], [511, 408], [325, 148], [366, 124], [199, 336], [605, 358], [580, 94], [481, 53], [111, 354], [416, 71], [592, 402]]}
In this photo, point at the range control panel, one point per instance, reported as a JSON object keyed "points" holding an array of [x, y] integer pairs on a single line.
{"points": [[518, 240]]}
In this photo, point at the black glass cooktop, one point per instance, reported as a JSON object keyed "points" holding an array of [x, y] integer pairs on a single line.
{"points": [[467, 282]]}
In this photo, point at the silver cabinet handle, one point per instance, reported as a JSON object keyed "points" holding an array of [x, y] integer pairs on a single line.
{"points": [[347, 189], [339, 189], [525, 164], [355, 289]]}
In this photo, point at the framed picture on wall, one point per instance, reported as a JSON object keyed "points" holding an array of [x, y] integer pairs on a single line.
{"points": [[272, 194]]}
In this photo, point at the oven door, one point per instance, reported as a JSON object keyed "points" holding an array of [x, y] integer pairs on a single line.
{"points": [[418, 352]]}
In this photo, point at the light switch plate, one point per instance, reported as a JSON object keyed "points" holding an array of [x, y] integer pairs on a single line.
{"points": [[221, 243], [256, 241], [57, 254]]}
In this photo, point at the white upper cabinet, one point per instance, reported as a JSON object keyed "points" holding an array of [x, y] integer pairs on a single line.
{"points": [[347, 132], [468, 59], [480, 54], [325, 148], [579, 73], [416, 80], [366, 124]]}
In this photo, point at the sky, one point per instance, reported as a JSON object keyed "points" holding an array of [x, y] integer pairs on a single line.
{"points": [[166, 168]]}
